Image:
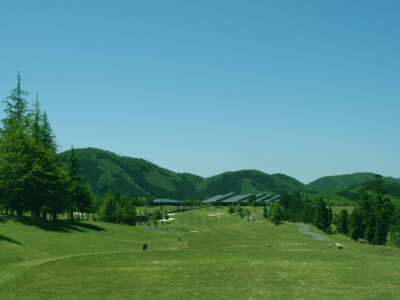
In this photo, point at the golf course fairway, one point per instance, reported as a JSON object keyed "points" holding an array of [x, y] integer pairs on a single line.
{"points": [[218, 257]]}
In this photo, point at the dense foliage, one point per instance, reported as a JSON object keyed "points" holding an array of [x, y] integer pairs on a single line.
{"points": [[372, 219], [32, 176]]}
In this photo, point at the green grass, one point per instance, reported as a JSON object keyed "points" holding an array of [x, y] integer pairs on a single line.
{"points": [[226, 259]]}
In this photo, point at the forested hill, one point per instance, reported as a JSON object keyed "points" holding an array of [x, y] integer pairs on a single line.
{"points": [[248, 181], [340, 181], [105, 171]]}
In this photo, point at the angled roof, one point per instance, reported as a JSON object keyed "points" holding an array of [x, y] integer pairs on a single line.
{"points": [[259, 196], [265, 197], [274, 198], [213, 199], [226, 196], [237, 198], [166, 201], [218, 198]]}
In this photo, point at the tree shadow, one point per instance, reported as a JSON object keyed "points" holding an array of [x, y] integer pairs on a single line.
{"points": [[88, 226], [59, 226], [10, 240]]}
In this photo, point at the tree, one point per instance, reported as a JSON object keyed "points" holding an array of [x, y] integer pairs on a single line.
{"points": [[330, 215], [342, 222], [231, 209], [384, 215], [252, 200], [356, 224], [265, 212], [107, 210], [79, 193], [15, 149], [322, 217], [16, 107], [370, 226], [276, 213]]}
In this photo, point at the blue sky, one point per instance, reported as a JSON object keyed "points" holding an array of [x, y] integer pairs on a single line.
{"points": [[305, 88]]}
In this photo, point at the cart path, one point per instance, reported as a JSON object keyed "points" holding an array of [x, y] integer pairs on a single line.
{"points": [[304, 228], [251, 217]]}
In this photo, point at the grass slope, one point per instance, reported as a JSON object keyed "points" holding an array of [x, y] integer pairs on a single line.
{"points": [[225, 259]]}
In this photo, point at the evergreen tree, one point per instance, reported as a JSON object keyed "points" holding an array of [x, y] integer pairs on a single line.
{"points": [[15, 150], [330, 215], [16, 108], [356, 224], [322, 217], [370, 227], [107, 210], [79, 194], [265, 212], [342, 222]]}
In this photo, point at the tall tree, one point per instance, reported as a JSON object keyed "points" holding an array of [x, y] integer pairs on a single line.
{"points": [[356, 224], [16, 107], [322, 217], [342, 222], [15, 148], [79, 195]]}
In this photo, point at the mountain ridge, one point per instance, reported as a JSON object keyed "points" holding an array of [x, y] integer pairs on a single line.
{"points": [[105, 170]]}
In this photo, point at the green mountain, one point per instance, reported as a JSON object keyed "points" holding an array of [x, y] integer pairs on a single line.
{"points": [[340, 181], [248, 181], [105, 171]]}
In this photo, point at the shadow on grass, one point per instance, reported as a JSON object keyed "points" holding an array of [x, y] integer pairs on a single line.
{"points": [[10, 240], [59, 226]]}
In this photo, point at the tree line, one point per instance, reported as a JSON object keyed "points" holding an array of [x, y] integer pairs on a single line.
{"points": [[371, 219], [32, 176]]}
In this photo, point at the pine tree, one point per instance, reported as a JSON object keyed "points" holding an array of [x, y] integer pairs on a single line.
{"points": [[322, 217], [342, 222], [356, 224], [265, 212], [107, 210], [16, 108], [370, 227], [79, 194], [15, 150]]}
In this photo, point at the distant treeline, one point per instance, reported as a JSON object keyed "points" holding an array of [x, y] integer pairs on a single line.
{"points": [[371, 220]]}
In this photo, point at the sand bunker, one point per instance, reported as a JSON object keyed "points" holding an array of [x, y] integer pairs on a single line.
{"points": [[220, 213], [193, 231], [171, 214], [166, 220]]}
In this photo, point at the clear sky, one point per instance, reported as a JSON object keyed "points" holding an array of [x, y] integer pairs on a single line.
{"points": [[305, 88]]}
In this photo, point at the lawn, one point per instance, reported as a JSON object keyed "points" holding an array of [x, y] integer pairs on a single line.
{"points": [[218, 257]]}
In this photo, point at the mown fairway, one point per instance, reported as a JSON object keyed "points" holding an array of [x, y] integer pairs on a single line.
{"points": [[226, 259]]}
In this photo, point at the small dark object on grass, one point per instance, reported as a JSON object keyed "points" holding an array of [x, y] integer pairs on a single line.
{"points": [[179, 238], [269, 245], [144, 247], [330, 245]]}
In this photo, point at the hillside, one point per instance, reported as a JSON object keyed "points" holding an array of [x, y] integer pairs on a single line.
{"points": [[340, 181], [248, 181], [105, 171]]}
